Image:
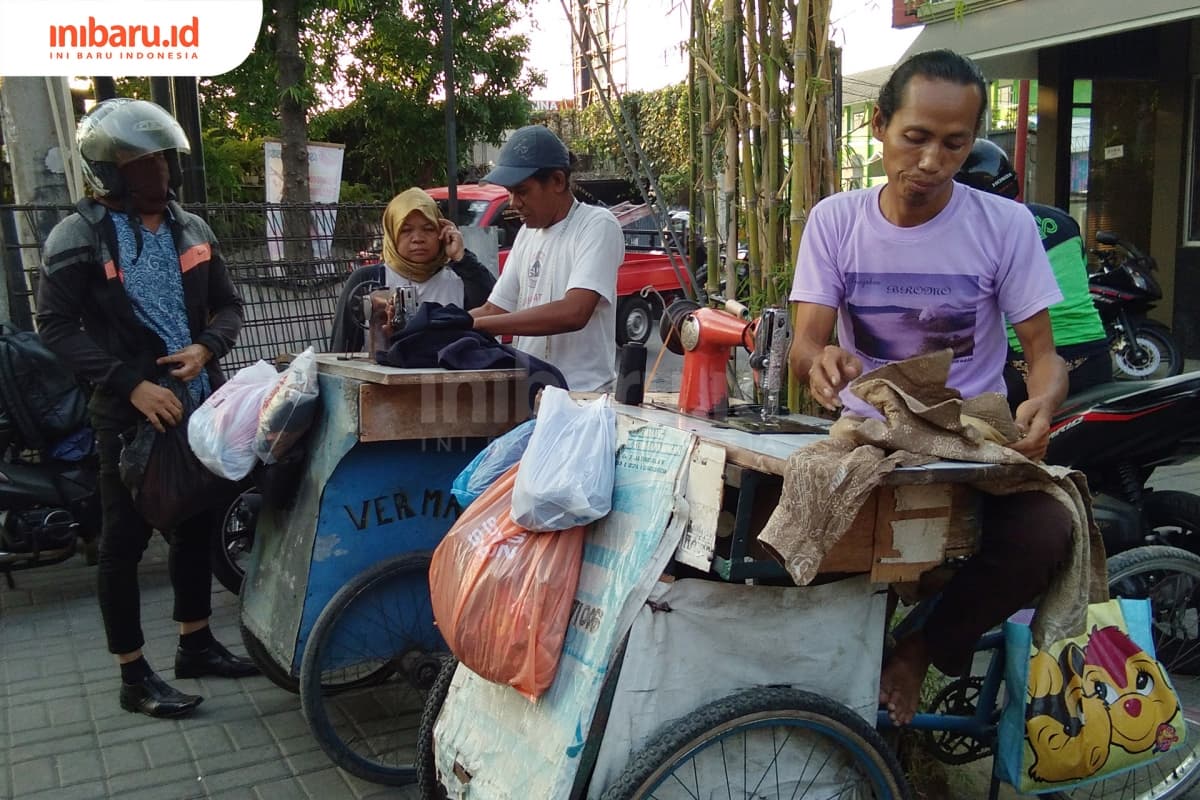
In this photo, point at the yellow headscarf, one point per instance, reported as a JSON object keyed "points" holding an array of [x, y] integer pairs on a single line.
{"points": [[397, 211]]}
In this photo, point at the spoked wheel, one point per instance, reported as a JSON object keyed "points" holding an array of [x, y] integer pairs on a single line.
{"points": [[765, 743], [1170, 579], [233, 543], [370, 660]]}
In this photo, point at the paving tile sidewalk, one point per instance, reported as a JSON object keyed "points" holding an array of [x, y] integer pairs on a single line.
{"points": [[64, 736]]}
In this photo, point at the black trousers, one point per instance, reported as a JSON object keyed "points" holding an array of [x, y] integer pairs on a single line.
{"points": [[1025, 540], [124, 536]]}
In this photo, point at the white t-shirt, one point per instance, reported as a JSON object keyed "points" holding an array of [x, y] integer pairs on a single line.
{"points": [[444, 287], [581, 251], [950, 282]]}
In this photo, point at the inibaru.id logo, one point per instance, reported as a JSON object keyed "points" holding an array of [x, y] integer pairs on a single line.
{"points": [[98, 34]]}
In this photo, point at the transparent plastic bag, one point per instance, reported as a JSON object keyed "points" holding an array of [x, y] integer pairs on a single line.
{"points": [[289, 408], [492, 462], [566, 475], [221, 432], [502, 595]]}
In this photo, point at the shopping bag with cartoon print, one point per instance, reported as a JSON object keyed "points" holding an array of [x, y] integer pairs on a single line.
{"points": [[1087, 708]]}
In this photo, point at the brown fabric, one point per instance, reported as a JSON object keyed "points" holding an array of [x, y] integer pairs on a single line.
{"points": [[403, 204], [924, 421]]}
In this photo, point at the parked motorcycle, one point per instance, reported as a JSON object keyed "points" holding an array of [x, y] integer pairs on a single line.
{"points": [[1117, 434], [1124, 290], [48, 507]]}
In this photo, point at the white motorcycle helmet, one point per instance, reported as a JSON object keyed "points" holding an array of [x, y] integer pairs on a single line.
{"points": [[120, 130]]}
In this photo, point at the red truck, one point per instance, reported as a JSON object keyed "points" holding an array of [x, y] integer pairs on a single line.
{"points": [[646, 261]]}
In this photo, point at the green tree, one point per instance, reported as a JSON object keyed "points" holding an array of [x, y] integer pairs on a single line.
{"points": [[372, 79]]}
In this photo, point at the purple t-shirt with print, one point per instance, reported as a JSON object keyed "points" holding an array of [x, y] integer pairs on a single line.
{"points": [[903, 292]]}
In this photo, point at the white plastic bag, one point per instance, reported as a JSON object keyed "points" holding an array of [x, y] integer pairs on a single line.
{"points": [[566, 474], [288, 409], [221, 431]]}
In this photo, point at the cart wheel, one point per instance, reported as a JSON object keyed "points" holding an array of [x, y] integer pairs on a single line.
{"points": [[427, 780], [369, 662], [764, 743], [275, 673]]}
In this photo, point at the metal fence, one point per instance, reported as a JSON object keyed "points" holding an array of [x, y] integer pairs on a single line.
{"points": [[289, 286]]}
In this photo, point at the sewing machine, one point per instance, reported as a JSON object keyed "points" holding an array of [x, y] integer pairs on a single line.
{"points": [[706, 337]]}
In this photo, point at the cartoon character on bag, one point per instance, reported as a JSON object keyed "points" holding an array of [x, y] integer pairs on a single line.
{"points": [[1109, 692]]}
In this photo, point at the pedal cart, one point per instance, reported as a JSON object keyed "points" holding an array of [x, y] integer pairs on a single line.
{"points": [[335, 603], [692, 666]]}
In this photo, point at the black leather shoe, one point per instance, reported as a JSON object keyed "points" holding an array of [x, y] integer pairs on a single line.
{"points": [[153, 697], [216, 660]]}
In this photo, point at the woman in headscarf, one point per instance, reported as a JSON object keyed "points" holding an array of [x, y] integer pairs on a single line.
{"points": [[421, 249]]}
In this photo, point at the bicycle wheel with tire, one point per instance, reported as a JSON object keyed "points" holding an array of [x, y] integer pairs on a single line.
{"points": [[764, 743], [427, 780], [1170, 578], [370, 659]]}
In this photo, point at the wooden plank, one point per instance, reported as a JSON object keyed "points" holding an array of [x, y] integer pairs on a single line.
{"points": [[368, 371], [440, 410], [918, 527], [855, 551]]}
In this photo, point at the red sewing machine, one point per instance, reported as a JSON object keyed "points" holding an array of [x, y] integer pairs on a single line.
{"points": [[705, 337]]}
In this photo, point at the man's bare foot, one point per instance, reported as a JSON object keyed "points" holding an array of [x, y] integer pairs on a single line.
{"points": [[901, 679]]}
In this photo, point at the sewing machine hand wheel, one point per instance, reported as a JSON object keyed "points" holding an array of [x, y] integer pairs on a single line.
{"points": [[357, 301]]}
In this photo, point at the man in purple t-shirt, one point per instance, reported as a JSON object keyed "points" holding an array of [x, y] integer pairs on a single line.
{"points": [[919, 265]]}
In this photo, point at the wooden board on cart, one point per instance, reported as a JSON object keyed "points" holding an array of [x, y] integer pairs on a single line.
{"points": [[397, 404], [920, 517]]}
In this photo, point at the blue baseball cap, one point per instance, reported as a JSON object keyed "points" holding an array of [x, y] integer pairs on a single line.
{"points": [[529, 149]]}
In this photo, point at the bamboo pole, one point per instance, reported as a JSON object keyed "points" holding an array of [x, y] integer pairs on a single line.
{"points": [[774, 153], [707, 177], [729, 120], [746, 68], [801, 98]]}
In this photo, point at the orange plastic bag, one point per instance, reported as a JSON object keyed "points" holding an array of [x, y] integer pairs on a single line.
{"points": [[502, 595]]}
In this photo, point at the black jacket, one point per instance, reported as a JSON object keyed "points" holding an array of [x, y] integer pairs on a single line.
{"points": [[348, 337], [86, 319]]}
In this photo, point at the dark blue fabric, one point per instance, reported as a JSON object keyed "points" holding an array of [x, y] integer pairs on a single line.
{"points": [[433, 327], [443, 336], [474, 350], [154, 283]]}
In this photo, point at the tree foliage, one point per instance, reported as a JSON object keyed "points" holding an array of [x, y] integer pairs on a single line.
{"points": [[660, 121], [373, 81]]}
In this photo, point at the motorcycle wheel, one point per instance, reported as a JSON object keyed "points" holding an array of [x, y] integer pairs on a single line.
{"points": [[1157, 355], [234, 541], [1174, 518]]}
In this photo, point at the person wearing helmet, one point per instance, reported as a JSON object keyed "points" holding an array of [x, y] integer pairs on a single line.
{"points": [[557, 293], [133, 296], [916, 266], [1079, 335]]}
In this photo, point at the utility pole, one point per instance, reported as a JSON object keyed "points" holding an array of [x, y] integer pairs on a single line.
{"points": [[40, 152], [451, 126]]}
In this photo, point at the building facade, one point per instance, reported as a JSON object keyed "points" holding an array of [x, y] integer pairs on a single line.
{"points": [[1114, 117]]}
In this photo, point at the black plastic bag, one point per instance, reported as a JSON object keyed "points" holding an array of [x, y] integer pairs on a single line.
{"points": [[167, 482]]}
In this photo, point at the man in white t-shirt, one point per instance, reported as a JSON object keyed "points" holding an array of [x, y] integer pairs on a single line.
{"points": [[918, 265], [557, 294]]}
